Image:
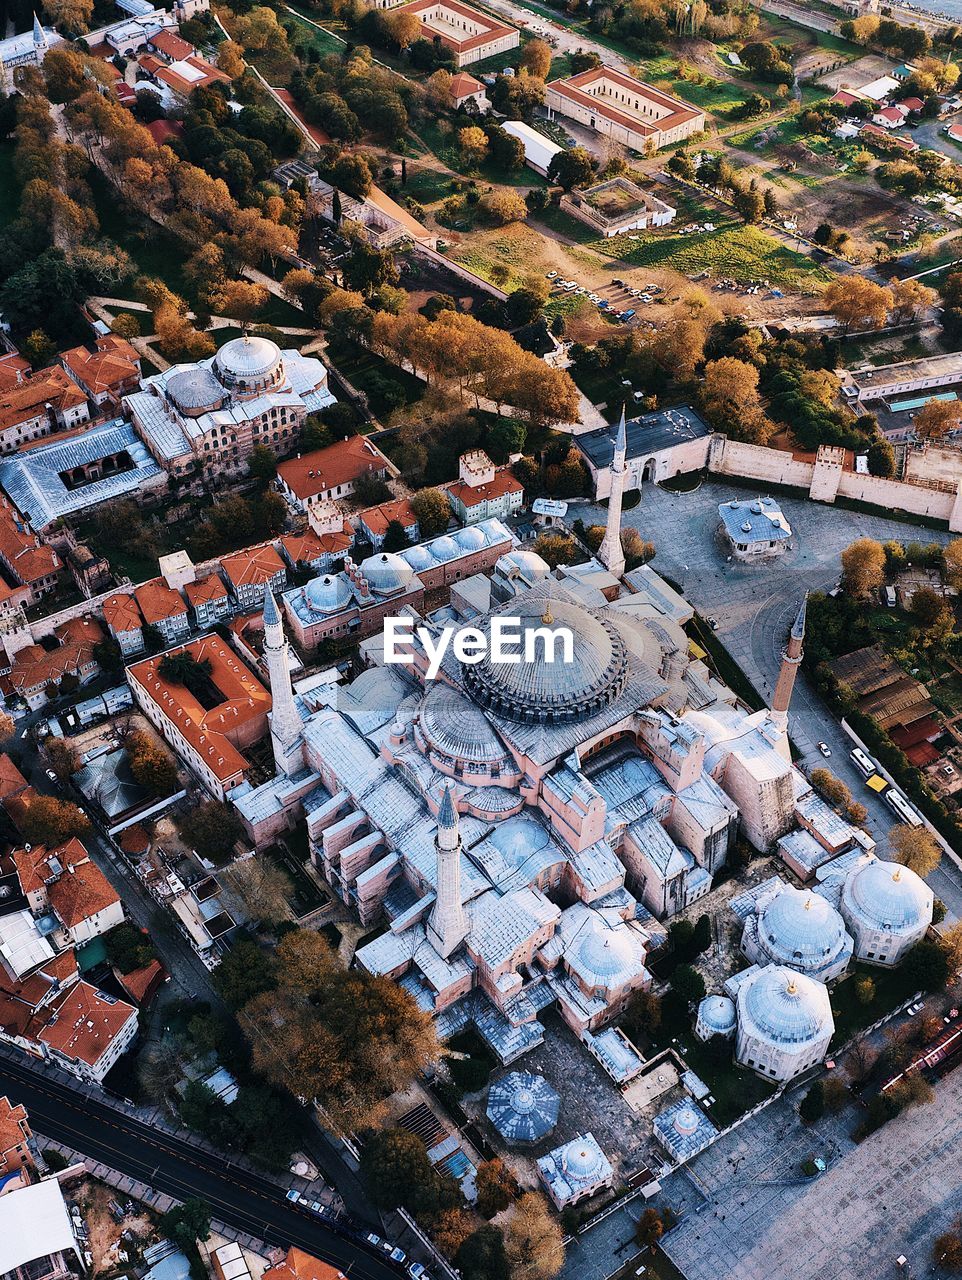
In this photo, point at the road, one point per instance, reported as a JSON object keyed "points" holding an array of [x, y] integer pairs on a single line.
{"points": [[179, 1169]]}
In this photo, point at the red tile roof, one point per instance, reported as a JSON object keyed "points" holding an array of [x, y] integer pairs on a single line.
{"points": [[49, 386], [83, 1023], [27, 558], [14, 371], [205, 590], [303, 548], [172, 45], [474, 495], [338, 464], [464, 86], [142, 984], [377, 519], [253, 565], [134, 840], [913, 104], [121, 613], [208, 730], [299, 1265], [113, 366], [161, 130], [77, 891], [491, 28], [159, 602], [14, 1125], [12, 780], [35, 666], [575, 88]]}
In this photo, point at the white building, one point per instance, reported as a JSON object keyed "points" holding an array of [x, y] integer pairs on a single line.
{"points": [[888, 909], [539, 151], [798, 928], [575, 1171], [754, 528], [785, 1021], [659, 445], [716, 1017], [37, 1237], [618, 106], [482, 490], [616, 206], [25, 50]]}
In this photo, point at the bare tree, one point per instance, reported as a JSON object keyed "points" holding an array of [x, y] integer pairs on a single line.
{"points": [[262, 889]]}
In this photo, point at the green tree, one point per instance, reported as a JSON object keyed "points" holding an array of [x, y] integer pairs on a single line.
{"points": [[396, 1171], [187, 1223], [688, 983], [127, 948], [482, 1256], [881, 458], [572, 168], [352, 175], [262, 464], [926, 966], [433, 511], [212, 829], [245, 972], [395, 539]]}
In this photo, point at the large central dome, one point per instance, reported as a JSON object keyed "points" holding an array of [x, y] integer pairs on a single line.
{"points": [[549, 692]]}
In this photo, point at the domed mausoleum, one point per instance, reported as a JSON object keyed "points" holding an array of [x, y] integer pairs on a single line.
{"points": [[799, 929], [888, 909], [575, 1171], [785, 1022], [716, 1017]]}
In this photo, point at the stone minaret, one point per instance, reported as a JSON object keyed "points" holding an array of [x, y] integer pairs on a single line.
{"points": [[791, 661], [448, 924], [610, 553], [286, 729], [40, 40]]}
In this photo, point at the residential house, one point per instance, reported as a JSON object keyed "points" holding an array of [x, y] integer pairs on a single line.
{"points": [[164, 608], [36, 668], [298, 1265], [483, 491], [373, 522], [209, 599], [108, 372], [124, 622], [317, 551], [17, 1146], [469, 93], [87, 1031], [327, 474], [250, 572], [46, 402], [33, 569], [64, 884]]}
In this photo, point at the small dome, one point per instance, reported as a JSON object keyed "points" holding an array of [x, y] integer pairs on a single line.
{"points": [[471, 539], [686, 1122], [328, 593], [523, 1107], [886, 895], [582, 1160], [419, 558], [444, 548], [248, 357], [195, 390], [785, 1007], [387, 573], [799, 927], [717, 1014]]}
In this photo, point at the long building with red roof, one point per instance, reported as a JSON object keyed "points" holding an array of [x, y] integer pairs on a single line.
{"points": [[620, 107]]}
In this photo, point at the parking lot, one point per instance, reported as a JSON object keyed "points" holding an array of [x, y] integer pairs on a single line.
{"points": [[619, 299]]}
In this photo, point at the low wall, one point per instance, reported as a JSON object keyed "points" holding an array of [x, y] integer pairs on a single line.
{"points": [[755, 462]]}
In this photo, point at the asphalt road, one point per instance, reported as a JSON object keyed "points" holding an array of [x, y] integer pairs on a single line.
{"points": [[236, 1197]]}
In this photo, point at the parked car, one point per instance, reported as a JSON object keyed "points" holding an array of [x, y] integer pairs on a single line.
{"points": [[825, 749]]}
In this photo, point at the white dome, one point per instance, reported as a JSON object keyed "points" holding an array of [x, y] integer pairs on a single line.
{"points": [[687, 1120], [471, 539], [606, 953], [717, 1014], [784, 1007], [419, 558], [887, 896], [582, 1160], [328, 593], [443, 548], [193, 390], [248, 357], [387, 572], [800, 928]]}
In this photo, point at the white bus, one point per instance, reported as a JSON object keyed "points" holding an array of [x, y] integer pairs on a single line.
{"points": [[865, 764], [901, 808]]}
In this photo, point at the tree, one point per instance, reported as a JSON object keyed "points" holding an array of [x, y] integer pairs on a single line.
{"points": [[127, 948], [687, 983], [860, 1060], [909, 297], [835, 1094], [433, 512], [212, 829], [62, 757], [187, 1223], [244, 973], [649, 1228], [482, 1256], [496, 1187], [572, 168], [183, 668], [952, 556], [536, 59], [865, 989], [555, 548], [504, 206], [947, 1251], [263, 889], [395, 539], [926, 605], [151, 766], [473, 145], [352, 175], [523, 306], [857, 302], [951, 940], [52, 822], [396, 1171], [915, 848], [881, 458], [812, 1106], [732, 402], [831, 788], [533, 1240], [643, 1013], [936, 418], [863, 568], [926, 966], [72, 16], [451, 1228], [262, 464], [38, 349]]}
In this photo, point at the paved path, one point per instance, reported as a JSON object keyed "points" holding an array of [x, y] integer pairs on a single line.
{"points": [[754, 606]]}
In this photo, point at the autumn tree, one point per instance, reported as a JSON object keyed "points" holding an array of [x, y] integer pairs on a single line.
{"points": [[473, 145], [952, 557], [496, 1187], [62, 756], [857, 302], [915, 848], [909, 297], [503, 206], [51, 821], [262, 888], [555, 548], [947, 1251], [450, 1230], [863, 567], [238, 299], [71, 16], [731, 400], [438, 89], [433, 512], [572, 168], [649, 1228], [951, 942], [402, 27], [533, 1240], [536, 58], [151, 766], [936, 418], [833, 789]]}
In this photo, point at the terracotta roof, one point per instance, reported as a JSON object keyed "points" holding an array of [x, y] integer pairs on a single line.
{"points": [[12, 780], [125, 93], [305, 547], [149, 63], [207, 730], [113, 366], [377, 519], [474, 495], [913, 104], [299, 1265], [892, 139], [121, 613], [14, 1125], [575, 88], [205, 589], [50, 386], [27, 558], [464, 86], [20, 999], [181, 84], [134, 839], [253, 565], [141, 984], [33, 865], [338, 464], [491, 28], [83, 1023], [158, 601], [76, 887], [172, 45], [34, 666], [14, 371], [161, 130]]}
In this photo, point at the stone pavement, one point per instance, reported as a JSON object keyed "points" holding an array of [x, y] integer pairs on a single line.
{"points": [[890, 1196]]}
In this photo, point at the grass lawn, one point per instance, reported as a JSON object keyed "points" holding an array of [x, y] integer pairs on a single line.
{"points": [[736, 1090], [733, 250], [9, 187], [564, 225], [155, 252], [314, 38], [427, 186], [445, 147], [891, 988], [505, 258], [385, 386]]}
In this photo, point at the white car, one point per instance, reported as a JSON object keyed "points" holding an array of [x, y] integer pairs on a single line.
{"points": [[398, 1255], [825, 749], [550, 275]]}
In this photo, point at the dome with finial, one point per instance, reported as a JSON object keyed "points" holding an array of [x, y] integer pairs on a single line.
{"points": [[887, 896], [784, 1008], [801, 929]]}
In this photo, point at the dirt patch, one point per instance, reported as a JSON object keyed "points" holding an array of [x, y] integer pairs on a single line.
{"points": [[854, 74], [108, 1238]]}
